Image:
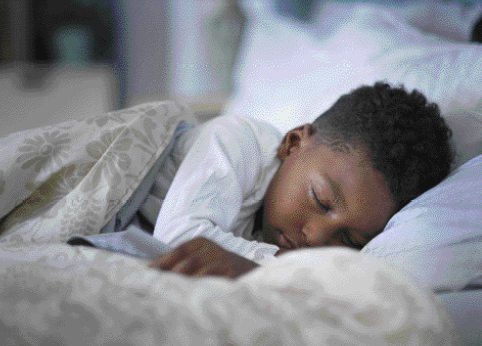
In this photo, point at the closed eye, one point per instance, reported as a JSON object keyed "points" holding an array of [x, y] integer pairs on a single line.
{"points": [[323, 206]]}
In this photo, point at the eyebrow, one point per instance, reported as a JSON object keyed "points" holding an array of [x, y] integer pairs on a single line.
{"points": [[337, 191]]}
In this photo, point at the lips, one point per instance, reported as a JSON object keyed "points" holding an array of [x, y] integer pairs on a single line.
{"points": [[284, 241]]}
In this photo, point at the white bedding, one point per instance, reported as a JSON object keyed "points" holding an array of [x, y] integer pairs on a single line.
{"points": [[56, 294], [60, 295]]}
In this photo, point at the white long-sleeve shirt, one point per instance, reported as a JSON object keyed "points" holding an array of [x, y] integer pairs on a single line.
{"points": [[216, 178]]}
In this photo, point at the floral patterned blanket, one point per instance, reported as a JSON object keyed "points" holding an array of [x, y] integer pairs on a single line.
{"points": [[72, 178]]}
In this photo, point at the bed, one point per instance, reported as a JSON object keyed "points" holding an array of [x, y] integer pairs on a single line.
{"points": [[418, 283]]}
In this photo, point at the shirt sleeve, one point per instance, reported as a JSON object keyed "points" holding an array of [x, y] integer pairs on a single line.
{"points": [[205, 198]]}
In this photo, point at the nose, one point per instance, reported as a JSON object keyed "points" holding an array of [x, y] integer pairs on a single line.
{"points": [[321, 231]]}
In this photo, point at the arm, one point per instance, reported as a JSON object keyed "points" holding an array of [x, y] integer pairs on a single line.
{"points": [[205, 198]]}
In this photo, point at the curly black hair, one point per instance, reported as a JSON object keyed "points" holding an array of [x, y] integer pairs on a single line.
{"points": [[407, 139]]}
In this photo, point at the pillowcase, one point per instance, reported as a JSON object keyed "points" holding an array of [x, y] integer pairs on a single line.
{"points": [[451, 20], [287, 76], [437, 238]]}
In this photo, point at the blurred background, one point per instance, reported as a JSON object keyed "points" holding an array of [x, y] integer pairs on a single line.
{"points": [[62, 60], [70, 59]]}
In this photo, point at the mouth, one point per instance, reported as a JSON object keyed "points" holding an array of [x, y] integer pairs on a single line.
{"points": [[284, 242]]}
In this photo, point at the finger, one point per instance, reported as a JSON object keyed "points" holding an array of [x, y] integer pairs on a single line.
{"points": [[188, 266], [156, 263], [170, 259], [212, 270], [162, 262], [224, 269]]}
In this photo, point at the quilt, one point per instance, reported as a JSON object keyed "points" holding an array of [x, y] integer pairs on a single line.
{"points": [[74, 177]]}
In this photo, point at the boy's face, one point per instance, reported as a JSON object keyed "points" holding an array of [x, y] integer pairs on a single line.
{"points": [[323, 197]]}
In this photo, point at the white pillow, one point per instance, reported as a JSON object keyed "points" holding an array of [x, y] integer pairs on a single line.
{"points": [[451, 20], [437, 238], [287, 76]]}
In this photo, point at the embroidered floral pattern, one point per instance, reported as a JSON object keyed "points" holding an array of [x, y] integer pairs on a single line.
{"points": [[119, 117], [44, 152], [115, 159], [50, 194], [148, 143], [72, 178], [103, 298], [80, 217]]}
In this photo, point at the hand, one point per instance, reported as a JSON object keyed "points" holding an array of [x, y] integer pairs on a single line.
{"points": [[202, 257]]}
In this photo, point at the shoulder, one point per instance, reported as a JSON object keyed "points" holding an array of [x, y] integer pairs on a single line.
{"points": [[243, 129]]}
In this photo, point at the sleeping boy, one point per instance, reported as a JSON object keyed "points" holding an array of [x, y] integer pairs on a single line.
{"points": [[238, 194]]}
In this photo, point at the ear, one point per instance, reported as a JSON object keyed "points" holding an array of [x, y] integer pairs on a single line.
{"points": [[294, 140]]}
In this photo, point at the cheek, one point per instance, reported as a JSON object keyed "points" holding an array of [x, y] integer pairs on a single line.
{"points": [[283, 201]]}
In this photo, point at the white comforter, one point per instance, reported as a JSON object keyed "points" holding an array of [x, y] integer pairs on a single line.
{"points": [[60, 295]]}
